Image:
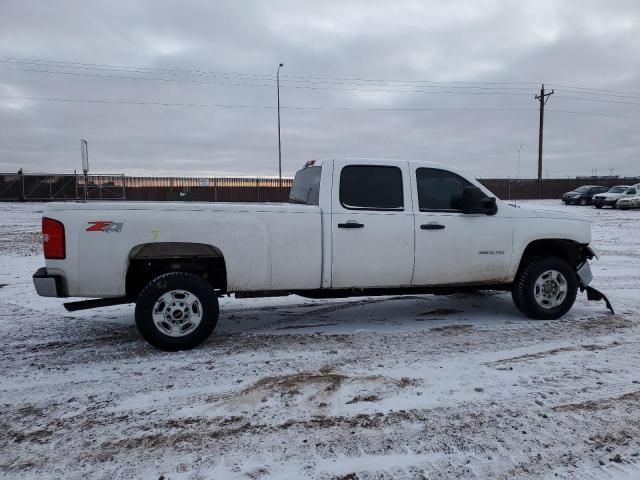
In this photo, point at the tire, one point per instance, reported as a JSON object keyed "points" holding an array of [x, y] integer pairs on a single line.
{"points": [[531, 299], [583, 201], [598, 205], [177, 311]]}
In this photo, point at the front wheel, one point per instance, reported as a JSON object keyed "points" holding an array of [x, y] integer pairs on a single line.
{"points": [[545, 288], [583, 201], [177, 311], [598, 205]]}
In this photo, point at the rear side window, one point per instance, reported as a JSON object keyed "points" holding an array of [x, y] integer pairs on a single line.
{"points": [[371, 187], [306, 186], [439, 189]]}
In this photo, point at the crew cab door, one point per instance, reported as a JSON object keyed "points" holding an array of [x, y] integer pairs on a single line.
{"points": [[371, 225], [452, 247]]}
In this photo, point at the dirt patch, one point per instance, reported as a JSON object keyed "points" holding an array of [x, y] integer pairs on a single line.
{"points": [[292, 384], [406, 382], [20, 242], [601, 404], [605, 441], [606, 323], [555, 351], [36, 436], [311, 325], [363, 398], [440, 311], [453, 329]]}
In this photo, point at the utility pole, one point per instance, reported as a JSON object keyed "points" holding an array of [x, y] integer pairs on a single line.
{"points": [[543, 98], [279, 143]]}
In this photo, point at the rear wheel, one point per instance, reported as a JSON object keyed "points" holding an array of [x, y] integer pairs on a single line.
{"points": [[177, 311], [545, 288]]}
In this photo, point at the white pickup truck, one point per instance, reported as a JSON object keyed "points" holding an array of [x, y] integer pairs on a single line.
{"points": [[352, 227]]}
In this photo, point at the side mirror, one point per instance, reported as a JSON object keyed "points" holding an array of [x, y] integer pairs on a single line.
{"points": [[475, 201]]}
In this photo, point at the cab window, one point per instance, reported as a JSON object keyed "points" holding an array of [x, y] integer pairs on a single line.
{"points": [[371, 187], [439, 189], [306, 186]]}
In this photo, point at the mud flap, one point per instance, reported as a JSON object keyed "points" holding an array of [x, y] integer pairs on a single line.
{"points": [[593, 294]]}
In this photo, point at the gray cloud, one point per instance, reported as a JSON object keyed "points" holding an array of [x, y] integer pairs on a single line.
{"points": [[585, 44]]}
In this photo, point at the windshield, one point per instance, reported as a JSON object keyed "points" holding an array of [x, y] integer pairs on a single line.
{"points": [[617, 190], [306, 186], [582, 189]]}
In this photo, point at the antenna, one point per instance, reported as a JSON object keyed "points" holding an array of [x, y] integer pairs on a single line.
{"points": [[84, 153], [515, 200]]}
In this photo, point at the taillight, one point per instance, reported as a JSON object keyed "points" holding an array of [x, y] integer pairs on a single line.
{"points": [[53, 239]]}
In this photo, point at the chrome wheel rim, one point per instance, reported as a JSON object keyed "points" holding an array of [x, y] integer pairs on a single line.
{"points": [[550, 289], [177, 313]]}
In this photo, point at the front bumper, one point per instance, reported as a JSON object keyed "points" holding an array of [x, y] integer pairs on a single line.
{"points": [[605, 202], [584, 279], [584, 274], [48, 285]]}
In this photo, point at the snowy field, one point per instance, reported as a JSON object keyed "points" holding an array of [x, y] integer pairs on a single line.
{"points": [[288, 388]]}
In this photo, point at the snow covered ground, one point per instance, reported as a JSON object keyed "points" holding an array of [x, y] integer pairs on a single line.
{"points": [[288, 388]]}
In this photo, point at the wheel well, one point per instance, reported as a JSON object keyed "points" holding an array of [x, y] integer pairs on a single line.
{"points": [[566, 249], [151, 260]]}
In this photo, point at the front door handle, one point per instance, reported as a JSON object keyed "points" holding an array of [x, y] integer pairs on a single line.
{"points": [[432, 226], [351, 224]]}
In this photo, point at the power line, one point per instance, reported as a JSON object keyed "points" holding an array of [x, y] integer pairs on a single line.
{"points": [[597, 100], [595, 114], [269, 85], [598, 94], [218, 105], [263, 75], [478, 85], [597, 90], [271, 107], [231, 76]]}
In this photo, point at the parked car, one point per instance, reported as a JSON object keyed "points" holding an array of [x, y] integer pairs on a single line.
{"points": [[352, 227], [583, 195], [630, 201], [611, 197]]}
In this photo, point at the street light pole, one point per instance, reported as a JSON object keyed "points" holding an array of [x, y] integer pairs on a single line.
{"points": [[279, 143]]}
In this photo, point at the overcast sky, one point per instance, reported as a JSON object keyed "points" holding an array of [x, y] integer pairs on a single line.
{"points": [[452, 82]]}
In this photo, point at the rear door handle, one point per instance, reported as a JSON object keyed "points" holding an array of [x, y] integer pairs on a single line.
{"points": [[432, 226], [351, 224]]}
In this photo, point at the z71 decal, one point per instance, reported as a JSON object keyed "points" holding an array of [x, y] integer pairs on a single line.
{"points": [[102, 226]]}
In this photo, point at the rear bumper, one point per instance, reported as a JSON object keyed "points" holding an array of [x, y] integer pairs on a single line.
{"points": [[48, 285]]}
